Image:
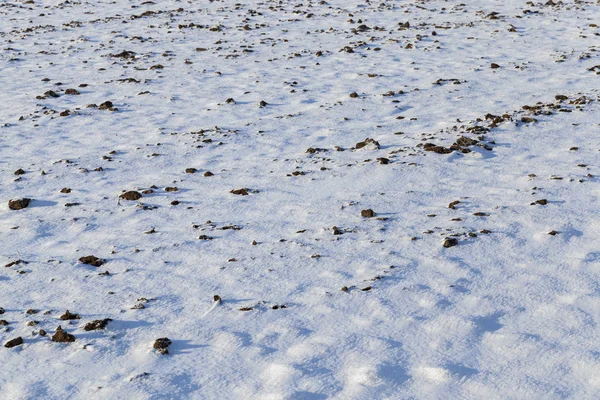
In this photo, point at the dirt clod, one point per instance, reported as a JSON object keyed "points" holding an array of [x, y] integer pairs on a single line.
{"points": [[61, 336], [450, 242], [162, 345], [241, 192], [18, 204], [92, 260], [14, 342], [131, 195], [69, 316], [96, 324], [368, 213]]}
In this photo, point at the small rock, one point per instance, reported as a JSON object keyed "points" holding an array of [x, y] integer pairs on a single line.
{"points": [[97, 324], [353, 95], [453, 204], [72, 92], [131, 195], [450, 242], [50, 93], [19, 172], [18, 204], [494, 66], [61, 336], [162, 345], [190, 170], [106, 105], [14, 342], [43, 332], [208, 173], [336, 231], [368, 213], [171, 189], [241, 192], [69, 316], [92, 260]]}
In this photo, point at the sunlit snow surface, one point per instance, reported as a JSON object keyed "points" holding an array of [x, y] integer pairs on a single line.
{"points": [[512, 313]]}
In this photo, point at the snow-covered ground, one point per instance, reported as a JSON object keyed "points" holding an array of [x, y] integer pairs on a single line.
{"points": [[321, 111]]}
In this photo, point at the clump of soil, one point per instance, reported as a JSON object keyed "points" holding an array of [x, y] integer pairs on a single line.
{"points": [[131, 195], [366, 142], [241, 192], [97, 324], [107, 105], [368, 213], [69, 316], [18, 204], [92, 260], [437, 149], [162, 345], [61, 336], [453, 204], [450, 242], [10, 264], [14, 342], [465, 141]]}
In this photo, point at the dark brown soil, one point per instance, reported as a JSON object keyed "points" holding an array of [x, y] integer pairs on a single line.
{"points": [[106, 105], [450, 242], [18, 204], [241, 192], [14, 342], [368, 213], [92, 260], [131, 195], [453, 204], [69, 316], [162, 345], [97, 324], [61, 336]]}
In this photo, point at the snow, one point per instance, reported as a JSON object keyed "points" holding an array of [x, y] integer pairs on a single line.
{"points": [[511, 313]]}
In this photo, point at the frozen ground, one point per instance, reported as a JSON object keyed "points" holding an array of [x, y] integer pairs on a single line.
{"points": [[511, 311]]}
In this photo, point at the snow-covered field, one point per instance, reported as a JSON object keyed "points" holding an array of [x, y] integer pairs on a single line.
{"points": [[415, 209]]}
